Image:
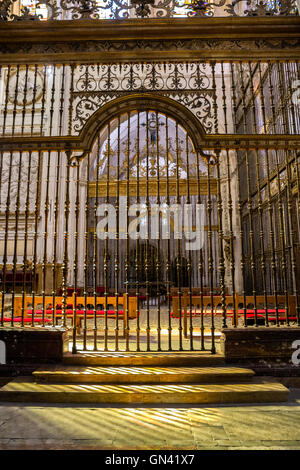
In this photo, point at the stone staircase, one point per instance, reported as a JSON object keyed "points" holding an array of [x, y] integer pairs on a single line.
{"points": [[143, 378]]}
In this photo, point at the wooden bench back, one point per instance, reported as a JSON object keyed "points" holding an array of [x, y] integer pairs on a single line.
{"points": [[198, 301], [271, 302], [90, 300], [196, 290], [18, 302]]}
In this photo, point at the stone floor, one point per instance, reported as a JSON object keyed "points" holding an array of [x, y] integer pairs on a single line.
{"points": [[252, 427], [201, 427], [153, 323]]}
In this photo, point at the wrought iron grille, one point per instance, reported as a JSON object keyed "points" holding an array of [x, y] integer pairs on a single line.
{"points": [[15, 10], [59, 100], [218, 142]]}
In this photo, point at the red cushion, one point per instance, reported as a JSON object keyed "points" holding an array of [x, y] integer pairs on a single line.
{"points": [[27, 320], [249, 313], [78, 312]]}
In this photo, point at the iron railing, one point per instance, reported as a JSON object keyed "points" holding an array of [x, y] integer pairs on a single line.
{"points": [[80, 142]]}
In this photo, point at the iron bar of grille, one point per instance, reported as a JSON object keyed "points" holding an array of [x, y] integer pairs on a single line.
{"points": [[7, 211], [65, 263], [55, 216], [45, 238], [296, 108], [220, 240], [86, 251], [1, 202], [269, 205], [189, 267], [261, 238], [240, 210], [15, 255], [259, 202], [269, 202], [37, 201], [168, 263], [105, 266], [229, 202], [249, 201], [200, 263], [273, 239], [33, 99], [158, 262], [219, 202], [117, 240], [178, 255], [210, 255], [293, 234], [286, 128], [147, 239], [6, 100], [72, 68], [231, 241], [16, 212], [14, 112], [95, 240], [230, 207], [126, 312], [43, 100], [27, 204], [62, 99], [271, 69], [75, 307], [137, 243], [52, 100], [297, 73], [7, 206], [56, 207], [24, 99]]}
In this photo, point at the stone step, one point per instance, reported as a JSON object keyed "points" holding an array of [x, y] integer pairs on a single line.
{"points": [[73, 374], [26, 390], [145, 359]]}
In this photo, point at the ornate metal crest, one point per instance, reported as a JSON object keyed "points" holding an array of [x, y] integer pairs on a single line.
{"points": [[122, 9]]}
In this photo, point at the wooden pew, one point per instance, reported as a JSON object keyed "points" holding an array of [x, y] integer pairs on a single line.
{"points": [[126, 309], [199, 305], [261, 311], [196, 291], [17, 311], [238, 302], [78, 311]]}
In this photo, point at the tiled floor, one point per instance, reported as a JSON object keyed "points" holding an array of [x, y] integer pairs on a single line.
{"points": [[274, 426]]}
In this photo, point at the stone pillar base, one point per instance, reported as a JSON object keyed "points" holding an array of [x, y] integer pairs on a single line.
{"points": [[259, 344], [33, 345]]}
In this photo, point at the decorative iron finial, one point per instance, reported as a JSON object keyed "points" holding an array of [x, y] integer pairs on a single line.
{"points": [[142, 7], [199, 8]]}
